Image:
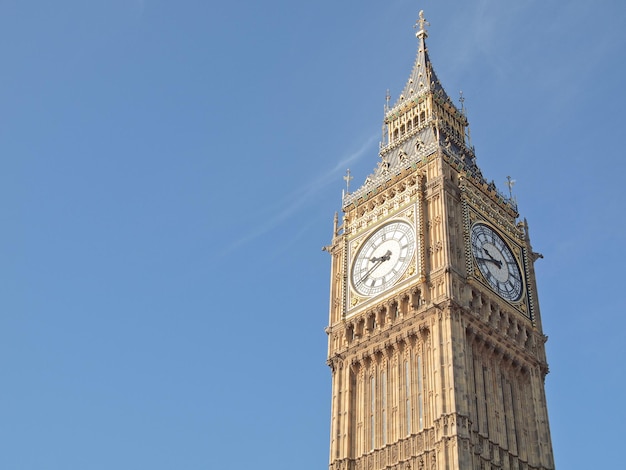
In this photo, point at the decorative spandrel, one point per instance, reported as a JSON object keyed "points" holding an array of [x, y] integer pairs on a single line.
{"points": [[383, 258], [495, 253]]}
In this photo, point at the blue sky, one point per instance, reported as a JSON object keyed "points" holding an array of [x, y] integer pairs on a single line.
{"points": [[169, 174]]}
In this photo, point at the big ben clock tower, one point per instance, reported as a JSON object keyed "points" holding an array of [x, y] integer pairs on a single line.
{"points": [[434, 339]]}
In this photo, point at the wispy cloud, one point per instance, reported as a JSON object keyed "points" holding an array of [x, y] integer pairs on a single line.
{"points": [[305, 194]]}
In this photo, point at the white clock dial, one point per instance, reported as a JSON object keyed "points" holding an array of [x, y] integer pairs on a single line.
{"points": [[496, 262], [383, 258]]}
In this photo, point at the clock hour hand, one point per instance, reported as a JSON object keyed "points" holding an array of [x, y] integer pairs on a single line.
{"points": [[384, 257]]}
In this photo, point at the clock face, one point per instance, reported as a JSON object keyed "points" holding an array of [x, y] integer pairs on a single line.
{"points": [[496, 262], [383, 258]]}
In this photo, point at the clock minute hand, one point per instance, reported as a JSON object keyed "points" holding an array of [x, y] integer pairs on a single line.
{"points": [[377, 262], [491, 260]]}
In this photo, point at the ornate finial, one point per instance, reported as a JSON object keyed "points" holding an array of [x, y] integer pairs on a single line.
{"points": [[348, 178], [510, 183], [421, 23], [462, 101]]}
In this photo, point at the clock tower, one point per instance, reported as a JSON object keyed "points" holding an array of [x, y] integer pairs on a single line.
{"points": [[434, 339]]}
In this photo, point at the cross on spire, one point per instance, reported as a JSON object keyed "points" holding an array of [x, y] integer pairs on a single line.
{"points": [[510, 183], [348, 178], [421, 23]]}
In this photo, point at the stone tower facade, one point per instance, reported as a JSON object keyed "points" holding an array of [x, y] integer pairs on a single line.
{"points": [[434, 339]]}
